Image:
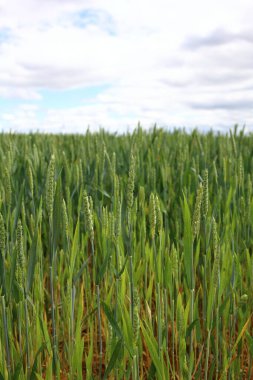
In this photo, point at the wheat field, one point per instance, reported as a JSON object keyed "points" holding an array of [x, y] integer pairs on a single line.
{"points": [[126, 256]]}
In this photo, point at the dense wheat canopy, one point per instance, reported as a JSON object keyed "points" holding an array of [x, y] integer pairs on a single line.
{"points": [[126, 257]]}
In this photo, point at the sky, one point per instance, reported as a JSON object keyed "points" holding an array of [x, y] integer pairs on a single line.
{"points": [[66, 65]]}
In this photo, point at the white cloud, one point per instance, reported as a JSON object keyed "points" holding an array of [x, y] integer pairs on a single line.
{"points": [[24, 119], [171, 62]]}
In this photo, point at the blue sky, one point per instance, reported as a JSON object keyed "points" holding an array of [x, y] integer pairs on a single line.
{"points": [[66, 65]]}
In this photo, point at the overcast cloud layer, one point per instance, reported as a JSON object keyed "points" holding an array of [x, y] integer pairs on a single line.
{"points": [[67, 64]]}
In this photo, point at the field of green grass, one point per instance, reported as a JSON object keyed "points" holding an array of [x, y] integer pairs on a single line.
{"points": [[126, 257]]}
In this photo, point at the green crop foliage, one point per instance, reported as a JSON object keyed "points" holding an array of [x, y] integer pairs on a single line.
{"points": [[126, 256]]}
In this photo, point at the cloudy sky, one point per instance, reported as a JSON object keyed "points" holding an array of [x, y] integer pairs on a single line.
{"points": [[69, 64]]}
